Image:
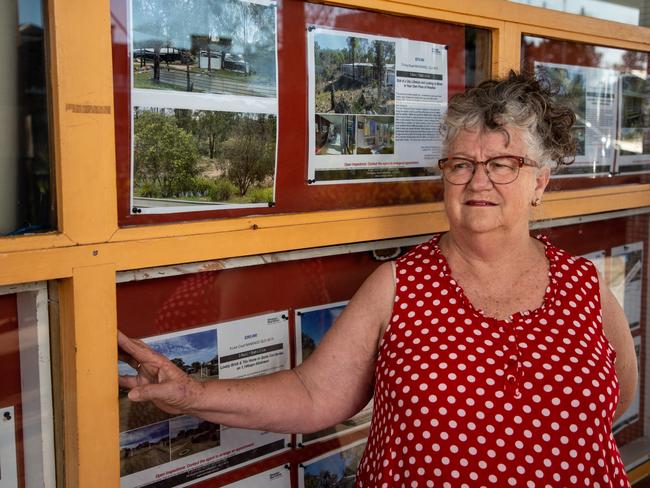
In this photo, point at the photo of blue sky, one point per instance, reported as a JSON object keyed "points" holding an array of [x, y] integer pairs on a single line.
{"points": [[191, 347], [150, 433], [317, 322], [331, 41]]}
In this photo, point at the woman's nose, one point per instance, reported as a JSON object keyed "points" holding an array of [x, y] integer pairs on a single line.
{"points": [[480, 178]]}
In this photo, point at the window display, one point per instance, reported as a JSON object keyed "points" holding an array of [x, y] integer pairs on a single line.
{"points": [[348, 90]]}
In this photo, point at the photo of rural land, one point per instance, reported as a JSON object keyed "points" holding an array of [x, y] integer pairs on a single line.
{"points": [[353, 75], [144, 448], [190, 435], [198, 157], [209, 46], [336, 471], [195, 353], [572, 87], [313, 326]]}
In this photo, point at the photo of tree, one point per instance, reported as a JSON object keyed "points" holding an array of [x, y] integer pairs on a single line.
{"points": [[187, 157], [337, 470], [190, 435], [209, 46], [354, 75], [144, 448]]}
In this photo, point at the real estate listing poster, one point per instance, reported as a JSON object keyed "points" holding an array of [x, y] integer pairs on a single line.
{"points": [[336, 468], [158, 449], [311, 325], [627, 280], [375, 107], [204, 104], [273, 478], [592, 93], [633, 146]]}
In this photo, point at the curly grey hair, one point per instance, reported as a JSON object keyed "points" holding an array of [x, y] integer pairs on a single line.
{"points": [[522, 101]]}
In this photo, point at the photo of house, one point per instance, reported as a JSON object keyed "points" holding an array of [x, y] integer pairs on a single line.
{"points": [[354, 74]]}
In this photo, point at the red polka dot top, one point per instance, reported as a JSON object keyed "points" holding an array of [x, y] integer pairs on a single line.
{"points": [[465, 400]]}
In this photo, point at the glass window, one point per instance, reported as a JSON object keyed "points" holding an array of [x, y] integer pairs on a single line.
{"points": [[634, 12], [608, 89], [355, 98], [26, 203]]}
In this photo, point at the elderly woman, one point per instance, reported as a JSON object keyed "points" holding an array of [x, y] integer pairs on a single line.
{"points": [[495, 358]]}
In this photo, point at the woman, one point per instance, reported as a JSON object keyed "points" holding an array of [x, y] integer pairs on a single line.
{"points": [[484, 347]]}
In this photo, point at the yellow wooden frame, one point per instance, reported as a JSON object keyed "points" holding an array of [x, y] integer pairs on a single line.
{"points": [[90, 248]]}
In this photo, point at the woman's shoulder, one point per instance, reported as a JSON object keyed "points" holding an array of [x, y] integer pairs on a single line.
{"points": [[420, 251], [565, 261]]}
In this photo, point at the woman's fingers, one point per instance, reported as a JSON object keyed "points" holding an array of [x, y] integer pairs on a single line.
{"points": [[174, 394], [128, 381]]}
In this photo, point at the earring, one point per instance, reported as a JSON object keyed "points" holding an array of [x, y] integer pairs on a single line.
{"points": [[537, 202]]}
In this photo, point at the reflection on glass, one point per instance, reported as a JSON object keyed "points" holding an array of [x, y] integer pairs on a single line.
{"points": [[608, 89], [635, 14], [25, 176]]}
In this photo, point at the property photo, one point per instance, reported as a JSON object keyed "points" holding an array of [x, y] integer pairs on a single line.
{"points": [[190, 435], [375, 134], [144, 448], [225, 47], [338, 470], [354, 75], [189, 157], [194, 353], [334, 134]]}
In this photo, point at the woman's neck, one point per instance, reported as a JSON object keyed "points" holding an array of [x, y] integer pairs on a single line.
{"points": [[490, 249]]}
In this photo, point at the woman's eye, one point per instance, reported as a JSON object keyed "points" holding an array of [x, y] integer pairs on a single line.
{"points": [[460, 165]]}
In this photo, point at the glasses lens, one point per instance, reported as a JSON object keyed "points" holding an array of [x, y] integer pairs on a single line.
{"points": [[458, 171], [503, 169]]}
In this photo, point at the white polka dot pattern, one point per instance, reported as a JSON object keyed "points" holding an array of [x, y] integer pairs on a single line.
{"points": [[464, 400]]}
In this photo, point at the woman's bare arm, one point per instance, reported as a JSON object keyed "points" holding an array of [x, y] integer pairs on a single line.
{"points": [[617, 332], [331, 385]]}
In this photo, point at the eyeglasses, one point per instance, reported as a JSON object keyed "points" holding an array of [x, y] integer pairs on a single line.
{"points": [[501, 170]]}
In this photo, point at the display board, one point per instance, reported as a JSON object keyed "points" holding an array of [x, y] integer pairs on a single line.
{"points": [[607, 88], [199, 320], [362, 73]]}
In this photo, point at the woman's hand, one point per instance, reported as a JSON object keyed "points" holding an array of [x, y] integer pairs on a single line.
{"points": [[158, 380]]}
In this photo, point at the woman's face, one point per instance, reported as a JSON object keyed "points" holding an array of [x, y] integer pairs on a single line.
{"points": [[481, 206]]}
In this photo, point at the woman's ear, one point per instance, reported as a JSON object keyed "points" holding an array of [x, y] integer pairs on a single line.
{"points": [[541, 181]]}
